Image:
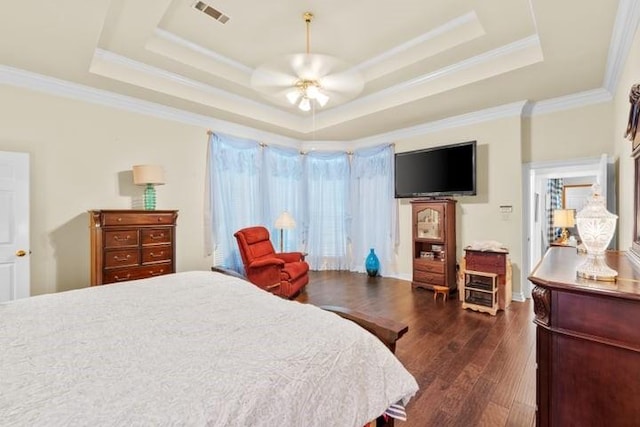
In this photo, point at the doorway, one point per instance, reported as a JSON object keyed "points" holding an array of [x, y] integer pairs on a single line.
{"points": [[14, 226], [535, 201]]}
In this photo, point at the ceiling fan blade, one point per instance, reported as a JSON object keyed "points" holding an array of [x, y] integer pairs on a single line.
{"points": [[271, 83], [348, 83], [313, 66]]}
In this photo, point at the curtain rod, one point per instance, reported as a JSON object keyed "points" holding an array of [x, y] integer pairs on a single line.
{"points": [[263, 144]]}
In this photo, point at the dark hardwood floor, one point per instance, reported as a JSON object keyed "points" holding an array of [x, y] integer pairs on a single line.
{"points": [[473, 369]]}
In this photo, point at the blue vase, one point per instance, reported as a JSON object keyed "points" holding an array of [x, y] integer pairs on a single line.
{"points": [[372, 264]]}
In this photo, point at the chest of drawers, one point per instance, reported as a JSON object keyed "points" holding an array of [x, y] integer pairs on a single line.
{"points": [[131, 244]]}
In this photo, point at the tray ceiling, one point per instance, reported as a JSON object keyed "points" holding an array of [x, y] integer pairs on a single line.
{"points": [[420, 61]]}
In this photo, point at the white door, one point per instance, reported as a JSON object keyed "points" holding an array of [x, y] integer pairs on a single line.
{"points": [[14, 225]]}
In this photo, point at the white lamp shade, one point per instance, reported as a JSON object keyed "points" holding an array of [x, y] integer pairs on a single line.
{"points": [[285, 220], [148, 174], [564, 218], [305, 104]]}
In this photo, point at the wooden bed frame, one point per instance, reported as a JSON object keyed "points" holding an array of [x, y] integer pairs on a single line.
{"points": [[386, 330]]}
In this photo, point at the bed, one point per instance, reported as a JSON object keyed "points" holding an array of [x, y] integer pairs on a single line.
{"points": [[192, 348]]}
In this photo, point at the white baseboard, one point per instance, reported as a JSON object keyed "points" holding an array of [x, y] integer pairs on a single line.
{"points": [[400, 276], [518, 296]]}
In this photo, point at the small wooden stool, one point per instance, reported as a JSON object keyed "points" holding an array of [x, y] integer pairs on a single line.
{"points": [[442, 290]]}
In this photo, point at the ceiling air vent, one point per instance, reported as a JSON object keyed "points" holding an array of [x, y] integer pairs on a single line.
{"points": [[211, 11]]}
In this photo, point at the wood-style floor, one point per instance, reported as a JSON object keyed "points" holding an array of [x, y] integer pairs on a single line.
{"points": [[473, 369]]}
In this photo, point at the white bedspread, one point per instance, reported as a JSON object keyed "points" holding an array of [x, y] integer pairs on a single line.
{"points": [[196, 348]]}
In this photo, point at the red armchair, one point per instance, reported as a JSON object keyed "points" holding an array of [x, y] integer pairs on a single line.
{"points": [[284, 274]]}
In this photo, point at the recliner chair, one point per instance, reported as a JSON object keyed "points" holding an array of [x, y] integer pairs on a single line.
{"points": [[284, 274]]}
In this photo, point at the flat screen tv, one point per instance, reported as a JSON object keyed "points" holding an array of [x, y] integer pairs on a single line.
{"points": [[448, 170]]}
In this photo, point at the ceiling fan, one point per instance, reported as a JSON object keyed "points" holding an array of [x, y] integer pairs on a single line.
{"points": [[307, 80]]}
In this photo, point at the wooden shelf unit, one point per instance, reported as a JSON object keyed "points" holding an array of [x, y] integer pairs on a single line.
{"points": [[481, 291], [434, 243], [496, 262]]}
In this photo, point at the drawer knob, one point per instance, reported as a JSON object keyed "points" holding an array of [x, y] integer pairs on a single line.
{"points": [[159, 219], [119, 238], [117, 258], [153, 254], [156, 236], [156, 272], [119, 219], [120, 279]]}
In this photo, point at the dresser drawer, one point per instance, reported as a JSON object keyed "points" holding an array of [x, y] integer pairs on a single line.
{"points": [[133, 218], [429, 266], [154, 236], [123, 275], [120, 238], [489, 262], [426, 277], [121, 258], [156, 254]]}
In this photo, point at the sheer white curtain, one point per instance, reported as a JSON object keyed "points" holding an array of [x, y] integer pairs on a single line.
{"points": [[284, 180], [236, 193], [327, 190], [373, 206]]}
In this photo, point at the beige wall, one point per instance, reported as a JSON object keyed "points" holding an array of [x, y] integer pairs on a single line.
{"points": [[577, 133], [499, 183], [81, 157], [630, 76]]}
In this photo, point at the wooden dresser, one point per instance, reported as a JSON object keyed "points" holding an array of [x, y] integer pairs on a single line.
{"points": [[131, 244], [587, 343]]}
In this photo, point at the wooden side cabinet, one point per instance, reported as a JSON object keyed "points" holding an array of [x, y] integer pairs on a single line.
{"points": [[434, 243], [131, 244], [496, 262]]}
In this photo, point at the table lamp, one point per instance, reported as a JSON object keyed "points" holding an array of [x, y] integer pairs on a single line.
{"points": [[149, 176], [285, 220], [564, 218]]}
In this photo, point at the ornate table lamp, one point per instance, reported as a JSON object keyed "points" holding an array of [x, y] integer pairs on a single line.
{"points": [[149, 176], [564, 218], [285, 220], [596, 227]]}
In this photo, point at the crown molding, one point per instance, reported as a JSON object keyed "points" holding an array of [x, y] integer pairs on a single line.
{"points": [[112, 65], [194, 47], [455, 23], [513, 109], [113, 58], [517, 46], [624, 30], [58, 87], [568, 102], [28, 80]]}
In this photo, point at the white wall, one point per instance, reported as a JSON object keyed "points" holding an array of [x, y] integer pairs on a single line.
{"points": [[81, 158]]}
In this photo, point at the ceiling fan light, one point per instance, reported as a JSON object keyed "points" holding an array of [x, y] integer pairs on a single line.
{"points": [[322, 99], [305, 105], [293, 96], [312, 91]]}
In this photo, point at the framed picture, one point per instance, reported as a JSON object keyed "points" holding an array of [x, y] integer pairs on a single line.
{"points": [[575, 196]]}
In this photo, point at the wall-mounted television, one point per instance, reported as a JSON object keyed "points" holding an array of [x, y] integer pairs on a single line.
{"points": [[448, 170]]}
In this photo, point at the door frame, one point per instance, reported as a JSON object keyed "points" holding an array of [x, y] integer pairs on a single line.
{"points": [[533, 174]]}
